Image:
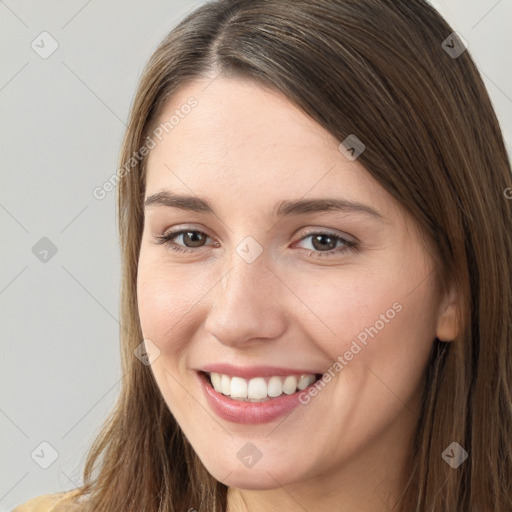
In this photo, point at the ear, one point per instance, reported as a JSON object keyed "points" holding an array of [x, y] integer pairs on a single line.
{"points": [[448, 318]]}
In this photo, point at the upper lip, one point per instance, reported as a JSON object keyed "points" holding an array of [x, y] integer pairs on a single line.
{"points": [[249, 372]]}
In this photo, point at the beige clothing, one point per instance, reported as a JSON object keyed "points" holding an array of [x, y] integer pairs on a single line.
{"points": [[58, 502]]}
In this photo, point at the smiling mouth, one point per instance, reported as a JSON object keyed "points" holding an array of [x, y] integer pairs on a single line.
{"points": [[259, 389]]}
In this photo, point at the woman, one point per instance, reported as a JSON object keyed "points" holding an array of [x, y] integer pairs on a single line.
{"points": [[317, 299]]}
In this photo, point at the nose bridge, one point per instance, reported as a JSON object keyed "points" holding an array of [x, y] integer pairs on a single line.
{"points": [[245, 300]]}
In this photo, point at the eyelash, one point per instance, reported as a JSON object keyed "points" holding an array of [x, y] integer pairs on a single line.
{"points": [[166, 239]]}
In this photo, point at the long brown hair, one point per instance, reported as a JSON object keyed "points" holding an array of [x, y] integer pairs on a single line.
{"points": [[378, 69]]}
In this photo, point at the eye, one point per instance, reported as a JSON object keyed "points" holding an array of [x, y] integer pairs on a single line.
{"points": [[324, 243], [191, 238]]}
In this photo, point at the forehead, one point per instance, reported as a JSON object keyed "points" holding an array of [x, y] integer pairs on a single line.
{"points": [[242, 139], [239, 117]]}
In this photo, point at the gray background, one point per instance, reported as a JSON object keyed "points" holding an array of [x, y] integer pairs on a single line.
{"points": [[62, 121]]}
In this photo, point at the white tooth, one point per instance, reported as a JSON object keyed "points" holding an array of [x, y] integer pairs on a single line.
{"points": [[216, 382], [290, 385], [275, 387], [257, 388], [238, 387], [305, 381], [225, 384]]}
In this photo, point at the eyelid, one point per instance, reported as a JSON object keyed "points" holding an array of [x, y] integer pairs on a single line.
{"points": [[348, 245], [303, 233], [179, 230], [348, 241], [327, 231]]}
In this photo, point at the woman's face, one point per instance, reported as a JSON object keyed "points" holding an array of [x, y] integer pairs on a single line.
{"points": [[274, 284]]}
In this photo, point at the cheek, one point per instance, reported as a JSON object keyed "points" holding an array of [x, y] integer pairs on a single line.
{"points": [[379, 324], [167, 296], [347, 306], [383, 334]]}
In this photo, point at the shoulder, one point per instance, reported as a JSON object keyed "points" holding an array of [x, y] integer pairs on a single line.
{"points": [[58, 502]]}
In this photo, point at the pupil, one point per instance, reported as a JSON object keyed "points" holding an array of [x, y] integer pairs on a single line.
{"points": [[196, 238], [318, 245]]}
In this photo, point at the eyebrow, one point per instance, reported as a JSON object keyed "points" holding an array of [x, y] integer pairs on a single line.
{"points": [[281, 209]]}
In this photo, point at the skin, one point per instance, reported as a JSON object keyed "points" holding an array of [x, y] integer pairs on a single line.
{"points": [[243, 148]]}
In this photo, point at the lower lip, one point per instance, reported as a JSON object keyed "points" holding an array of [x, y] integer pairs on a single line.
{"points": [[248, 412]]}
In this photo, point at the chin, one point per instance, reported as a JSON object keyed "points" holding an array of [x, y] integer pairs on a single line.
{"points": [[252, 479], [263, 475]]}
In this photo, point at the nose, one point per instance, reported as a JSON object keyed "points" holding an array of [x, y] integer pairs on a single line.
{"points": [[247, 305]]}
